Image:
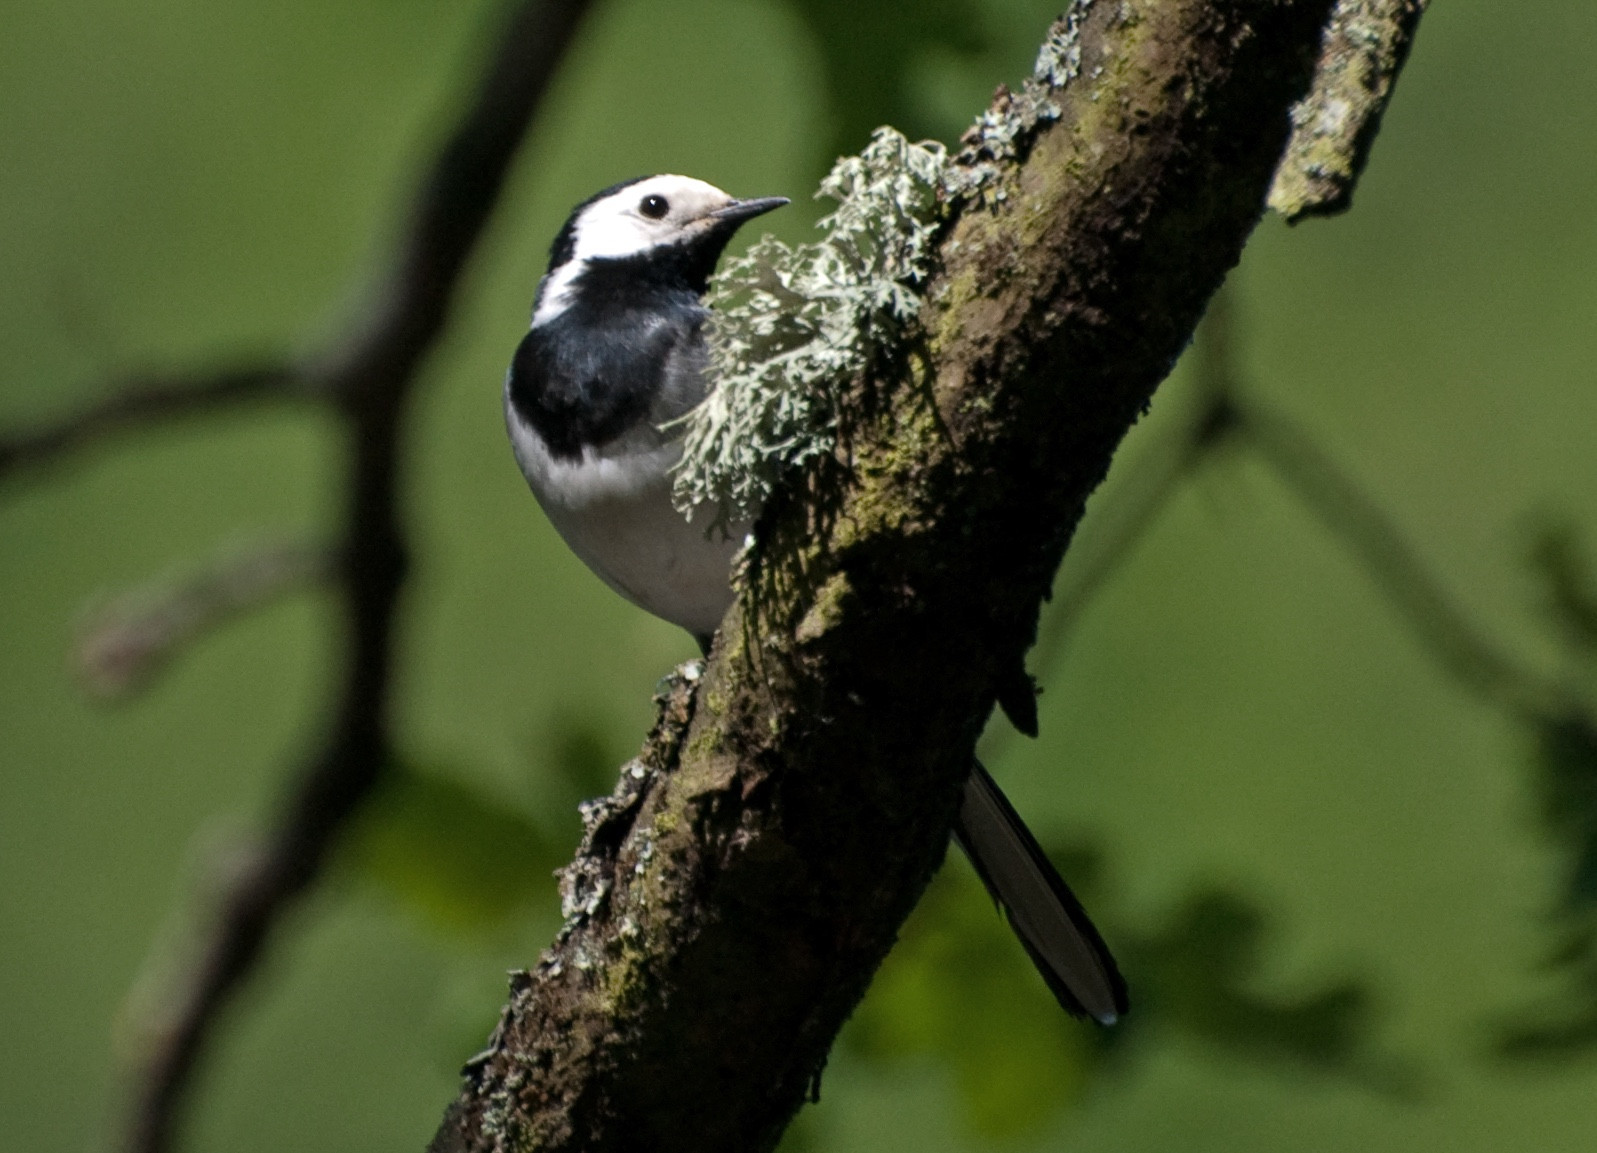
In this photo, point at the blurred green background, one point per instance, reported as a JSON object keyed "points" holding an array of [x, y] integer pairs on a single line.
{"points": [[1328, 867]]}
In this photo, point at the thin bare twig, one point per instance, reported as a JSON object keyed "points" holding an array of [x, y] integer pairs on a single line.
{"points": [[371, 374], [1363, 527], [144, 401], [1354, 519], [128, 640]]}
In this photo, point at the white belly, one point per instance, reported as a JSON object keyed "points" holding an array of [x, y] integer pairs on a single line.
{"points": [[614, 510]]}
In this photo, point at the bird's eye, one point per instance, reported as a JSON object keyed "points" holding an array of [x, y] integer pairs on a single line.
{"points": [[654, 207]]}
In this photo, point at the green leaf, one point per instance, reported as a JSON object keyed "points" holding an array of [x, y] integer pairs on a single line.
{"points": [[1198, 970]]}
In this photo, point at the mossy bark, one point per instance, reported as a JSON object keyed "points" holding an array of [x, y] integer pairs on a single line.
{"points": [[1363, 50], [733, 899]]}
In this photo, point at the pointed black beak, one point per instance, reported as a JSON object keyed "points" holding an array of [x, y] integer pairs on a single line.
{"points": [[740, 210]]}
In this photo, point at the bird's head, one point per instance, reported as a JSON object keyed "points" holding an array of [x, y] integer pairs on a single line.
{"points": [[653, 223], [637, 216]]}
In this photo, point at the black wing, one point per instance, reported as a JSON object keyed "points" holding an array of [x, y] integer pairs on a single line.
{"points": [[581, 385]]}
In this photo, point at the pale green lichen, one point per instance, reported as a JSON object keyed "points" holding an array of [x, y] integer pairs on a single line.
{"points": [[1003, 132], [827, 609], [792, 326], [1365, 45]]}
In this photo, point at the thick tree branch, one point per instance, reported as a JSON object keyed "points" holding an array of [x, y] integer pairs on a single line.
{"points": [[371, 374], [732, 900]]}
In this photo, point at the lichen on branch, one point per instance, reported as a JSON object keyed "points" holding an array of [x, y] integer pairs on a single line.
{"points": [[1365, 45], [792, 325]]}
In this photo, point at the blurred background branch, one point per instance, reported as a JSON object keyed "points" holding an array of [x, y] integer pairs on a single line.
{"points": [[146, 400], [126, 641], [369, 374], [1226, 417], [1555, 713]]}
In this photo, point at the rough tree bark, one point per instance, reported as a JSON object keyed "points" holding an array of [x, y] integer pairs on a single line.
{"points": [[733, 898]]}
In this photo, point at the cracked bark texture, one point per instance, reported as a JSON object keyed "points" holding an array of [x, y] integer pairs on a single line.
{"points": [[733, 899]]}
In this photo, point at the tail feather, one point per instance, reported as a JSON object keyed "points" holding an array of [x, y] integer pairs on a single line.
{"points": [[1042, 910]]}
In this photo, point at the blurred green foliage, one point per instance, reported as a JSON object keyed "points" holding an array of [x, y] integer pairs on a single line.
{"points": [[186, 180], [465, 861], [1564, 757], [958, 989], [459, 858], [1200, 969], [1567, 752], [872, 55], [1566, 1025]]}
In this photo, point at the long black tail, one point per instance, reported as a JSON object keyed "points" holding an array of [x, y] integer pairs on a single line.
{"points": [[1042, 910]]}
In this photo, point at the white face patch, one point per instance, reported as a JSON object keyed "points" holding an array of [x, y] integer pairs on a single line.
{"points": [[659, 210], [641, 216]]}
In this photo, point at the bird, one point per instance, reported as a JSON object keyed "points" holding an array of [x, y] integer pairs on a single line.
{"points": [[615, 355]]}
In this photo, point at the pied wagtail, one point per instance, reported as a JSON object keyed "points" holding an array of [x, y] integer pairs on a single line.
{"points": [[616, 352]]}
